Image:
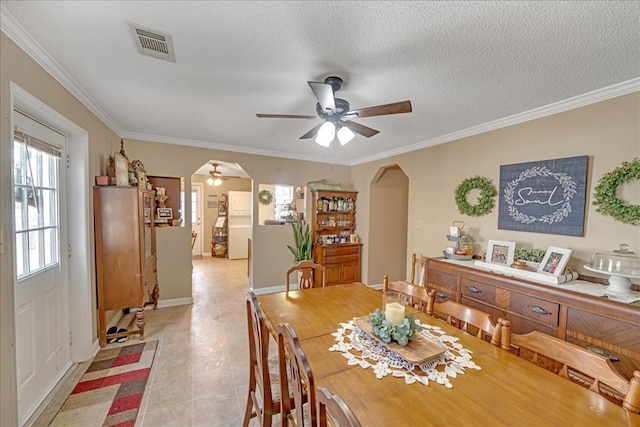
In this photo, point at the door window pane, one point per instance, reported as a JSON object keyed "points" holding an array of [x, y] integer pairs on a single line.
{"points": [[20, 209], [35, 246], [19, 164], [35, 207]]}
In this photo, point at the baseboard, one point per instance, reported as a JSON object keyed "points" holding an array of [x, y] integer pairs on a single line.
{"points": [[173, 302], [271, 290]]}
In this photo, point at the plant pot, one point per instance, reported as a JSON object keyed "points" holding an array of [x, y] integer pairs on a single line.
{"points": [[103, 180]]}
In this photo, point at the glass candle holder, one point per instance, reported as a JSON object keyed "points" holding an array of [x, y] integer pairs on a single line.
{"points": [[394, 305]]}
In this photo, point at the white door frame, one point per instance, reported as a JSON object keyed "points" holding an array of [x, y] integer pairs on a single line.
{"points": [[199, 188], [82, 334]]}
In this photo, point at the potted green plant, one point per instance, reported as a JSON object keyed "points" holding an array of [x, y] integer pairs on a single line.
{"points": [[533, 257], [302, 242]]}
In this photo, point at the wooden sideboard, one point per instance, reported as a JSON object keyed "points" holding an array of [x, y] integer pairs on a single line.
{"points": [[605, 326], [342, 262]]}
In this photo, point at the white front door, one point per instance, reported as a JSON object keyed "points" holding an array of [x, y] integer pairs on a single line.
{"points": [[41, 263], [196, 219]]}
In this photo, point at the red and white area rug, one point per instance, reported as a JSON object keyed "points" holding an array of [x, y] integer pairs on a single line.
{"points": [[110, 392]]}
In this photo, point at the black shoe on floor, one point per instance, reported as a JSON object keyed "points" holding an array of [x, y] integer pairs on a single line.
{"points": [[122, 339], [111, 330]]}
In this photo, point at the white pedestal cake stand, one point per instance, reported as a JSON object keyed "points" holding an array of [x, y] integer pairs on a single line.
{"points": [[619, 282]]}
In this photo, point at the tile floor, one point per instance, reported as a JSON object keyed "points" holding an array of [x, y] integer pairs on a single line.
{"points": [[200, 374]]}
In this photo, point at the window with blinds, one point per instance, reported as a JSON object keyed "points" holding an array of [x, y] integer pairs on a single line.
{"points": [[36, 213]]}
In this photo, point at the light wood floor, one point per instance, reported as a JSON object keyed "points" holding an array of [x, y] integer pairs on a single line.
{"points": [[199, 376]]}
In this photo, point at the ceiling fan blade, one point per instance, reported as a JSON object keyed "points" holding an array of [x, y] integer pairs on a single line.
{"points": [[361, 129], [285, 116], [324, 93], [382, 110], [312, 132]]}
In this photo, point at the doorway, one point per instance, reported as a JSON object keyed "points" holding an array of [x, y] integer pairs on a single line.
{"points": [[72, 265], [388, 224], [196, 221], [42, 288]]}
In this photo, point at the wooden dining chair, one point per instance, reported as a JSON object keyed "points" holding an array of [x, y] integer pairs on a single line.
{"points": [[416, 295], [418, 270], [333, 411], [297, 378], [580, 365], [463, 316], [309, 271], [263, 401]]}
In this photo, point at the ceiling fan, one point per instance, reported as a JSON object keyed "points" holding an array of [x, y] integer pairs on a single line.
{"points": [[216, 177], [333, 111]]}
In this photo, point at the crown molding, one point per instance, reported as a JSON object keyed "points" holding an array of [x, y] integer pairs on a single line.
{"points": [[613, 91]]}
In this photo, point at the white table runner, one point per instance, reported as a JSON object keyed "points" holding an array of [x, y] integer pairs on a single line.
{"points": [[359, 348]]}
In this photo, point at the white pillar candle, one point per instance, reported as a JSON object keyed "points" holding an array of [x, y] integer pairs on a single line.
{"points": [[394, 313]]}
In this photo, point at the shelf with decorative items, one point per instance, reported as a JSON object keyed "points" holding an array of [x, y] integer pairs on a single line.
{"points": [[463, 249], [220, 234], [335, 244]]}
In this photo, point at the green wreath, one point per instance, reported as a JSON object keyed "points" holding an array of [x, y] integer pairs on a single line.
{"points": [[265, 197], [605, 195], [485, 201]]}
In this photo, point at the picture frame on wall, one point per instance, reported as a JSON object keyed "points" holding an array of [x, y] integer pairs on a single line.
{"points": [[555, 261], [500, 252]]}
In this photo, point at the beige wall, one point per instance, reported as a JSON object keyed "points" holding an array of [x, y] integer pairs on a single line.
{"points": [[608, 132]]}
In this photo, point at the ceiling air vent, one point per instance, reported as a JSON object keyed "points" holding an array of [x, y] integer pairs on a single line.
{"points": [[153, 43]]}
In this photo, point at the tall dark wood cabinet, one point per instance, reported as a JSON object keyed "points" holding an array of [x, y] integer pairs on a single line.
{"points": [[126, 263], [333, 221]]}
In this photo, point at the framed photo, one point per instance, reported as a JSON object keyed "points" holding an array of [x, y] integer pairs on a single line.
{"points": [[165, 213], [555, 261], [499, 252]]}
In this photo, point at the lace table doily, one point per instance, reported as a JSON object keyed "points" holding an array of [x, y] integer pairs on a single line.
{"points": [[360, 348]]}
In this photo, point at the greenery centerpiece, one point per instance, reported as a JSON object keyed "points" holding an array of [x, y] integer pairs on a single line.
{"points": [[531, 255], [302, 242], [402, 333]]}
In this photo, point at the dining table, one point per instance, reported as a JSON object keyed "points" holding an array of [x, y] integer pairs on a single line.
{"points": [[497, 389]]}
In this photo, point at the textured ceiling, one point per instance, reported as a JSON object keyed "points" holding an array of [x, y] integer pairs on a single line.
{"points": [[462, 64]]}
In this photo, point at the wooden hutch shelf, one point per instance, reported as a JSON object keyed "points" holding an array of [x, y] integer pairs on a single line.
{"points": [[333, 221]]}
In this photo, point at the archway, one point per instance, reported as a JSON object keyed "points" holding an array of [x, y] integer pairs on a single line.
{"points": [[388, 223]]}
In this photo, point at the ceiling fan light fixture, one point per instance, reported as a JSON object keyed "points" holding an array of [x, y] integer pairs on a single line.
{"points": [[345, 135], [210, 180], [217, 181], [326, 134]]}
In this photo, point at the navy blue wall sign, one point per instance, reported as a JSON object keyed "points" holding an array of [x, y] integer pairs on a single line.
{"points": [[546, 196]]}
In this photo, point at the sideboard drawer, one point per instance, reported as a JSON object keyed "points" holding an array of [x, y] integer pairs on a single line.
{"points": [[341, 258], [442, 280], [535, 308], [478, 291], [341, 250]]}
